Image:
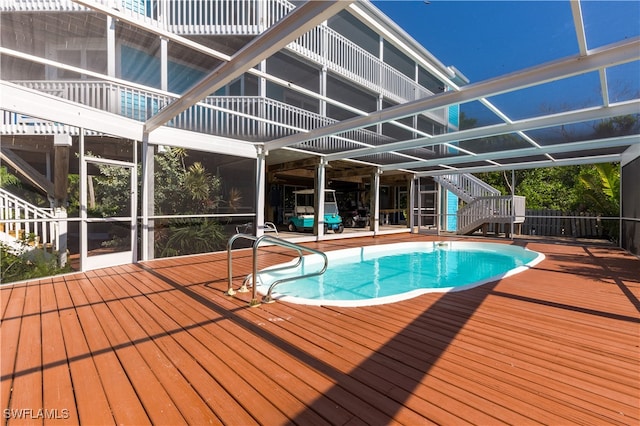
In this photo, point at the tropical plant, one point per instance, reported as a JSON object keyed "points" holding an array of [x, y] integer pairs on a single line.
{"points": [[186, 190], [190, 236], [601, 188], [7, 179], [17, 264]]}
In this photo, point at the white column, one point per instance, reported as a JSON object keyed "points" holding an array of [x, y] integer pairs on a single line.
{"points": [[379, 108], [83, 204], [148, 190], [441, 210], [61, 235], [381, 82], [318, 222], [111, 63], [323, 71], [375, 201], [411, 189], [164, 64], [323, 91], [262, 92], [513, 202], [261, 175], [62, 145]]}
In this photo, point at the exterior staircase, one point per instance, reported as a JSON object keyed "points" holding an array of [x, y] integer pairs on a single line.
{"points": [[483, 203], [25, 227]]}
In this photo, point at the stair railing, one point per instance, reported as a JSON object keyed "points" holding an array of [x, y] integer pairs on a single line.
{"points": [[24, 221], [502, 209], [467, 186]]}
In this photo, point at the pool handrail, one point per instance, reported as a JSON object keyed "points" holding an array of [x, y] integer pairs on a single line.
{"points": [[276, 241], [230, 291]]}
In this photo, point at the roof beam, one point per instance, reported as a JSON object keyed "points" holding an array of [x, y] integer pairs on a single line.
{"points": [[587, 114], [526, 152], [613, 54], [611, 158], [298, 22], [578, 23]]}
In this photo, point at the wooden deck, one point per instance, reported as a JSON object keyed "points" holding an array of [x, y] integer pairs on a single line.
{"points": [[160, 343]]}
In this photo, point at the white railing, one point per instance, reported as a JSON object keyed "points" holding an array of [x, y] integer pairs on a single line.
{"points": [[466, 186], [322, 44], [327, 47], [42, 5], [252, 118], [220, 17], [496, 209], [24, 221], [185, 17]]}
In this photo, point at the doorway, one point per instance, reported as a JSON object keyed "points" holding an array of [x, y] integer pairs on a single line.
{"points": [[108, 194]]}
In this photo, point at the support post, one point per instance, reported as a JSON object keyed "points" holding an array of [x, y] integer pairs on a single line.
{"points": [[318, 222], [164, 64], [114, 105], [84, 249], [261, 176], [375, 201], [513, 203], [148, 190], [61, 235], [61, 145], [411, 189]]}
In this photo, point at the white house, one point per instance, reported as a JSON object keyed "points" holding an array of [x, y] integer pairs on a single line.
{"points": [[268, 97]]}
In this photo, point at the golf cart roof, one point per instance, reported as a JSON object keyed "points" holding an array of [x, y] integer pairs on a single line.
{"points": [[311, 191]]}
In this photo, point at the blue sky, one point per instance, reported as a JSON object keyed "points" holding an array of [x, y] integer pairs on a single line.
{"points": [[485, 39]]}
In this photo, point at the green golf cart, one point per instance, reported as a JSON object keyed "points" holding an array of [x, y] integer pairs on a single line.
{"points": [[303, 214]]}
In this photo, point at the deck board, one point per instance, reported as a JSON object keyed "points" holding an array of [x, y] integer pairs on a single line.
{"points": [[56, 381], [159, 342], [27, 388]]}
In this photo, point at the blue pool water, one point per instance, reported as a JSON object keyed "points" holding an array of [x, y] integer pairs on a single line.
{"points": [[388, 273]]}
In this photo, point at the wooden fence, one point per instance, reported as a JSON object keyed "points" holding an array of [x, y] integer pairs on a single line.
{"points": [[556, 223]]}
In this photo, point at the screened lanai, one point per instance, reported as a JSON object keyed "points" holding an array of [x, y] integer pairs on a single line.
{"points": [[408, 130], [151, 132]]}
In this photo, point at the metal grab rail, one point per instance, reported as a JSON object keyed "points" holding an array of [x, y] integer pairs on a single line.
{"points": [[276, 241]]}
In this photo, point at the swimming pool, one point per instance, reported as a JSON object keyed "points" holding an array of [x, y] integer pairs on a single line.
{"points": [[388, 273]]}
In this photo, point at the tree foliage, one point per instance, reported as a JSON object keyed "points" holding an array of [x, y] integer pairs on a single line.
{"points": [[599, 188], [582, 188], [187, 190], [180, 188]]}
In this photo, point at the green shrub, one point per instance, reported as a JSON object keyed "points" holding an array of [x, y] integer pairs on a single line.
{"points": [[18, 265]]}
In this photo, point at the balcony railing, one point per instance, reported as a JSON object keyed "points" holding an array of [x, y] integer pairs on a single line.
{"points": [[251, 118], [327, 47], [186, 17], [322, 45], [42, 5]]}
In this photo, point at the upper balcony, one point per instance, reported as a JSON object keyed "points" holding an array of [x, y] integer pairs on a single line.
{"points": [[250, 118], [323, 46]]}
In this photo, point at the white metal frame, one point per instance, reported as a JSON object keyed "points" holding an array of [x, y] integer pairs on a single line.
{"points": [[112, 259], [311, 14]]}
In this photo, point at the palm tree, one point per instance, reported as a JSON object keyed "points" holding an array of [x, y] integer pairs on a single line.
{"points": [[601, 193], [601, 186]]}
